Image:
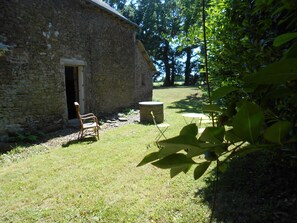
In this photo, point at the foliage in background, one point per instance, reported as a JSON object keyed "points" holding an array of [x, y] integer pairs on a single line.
{"points": [[167, 30], [117, 4], [161, 22], [254, 72]]}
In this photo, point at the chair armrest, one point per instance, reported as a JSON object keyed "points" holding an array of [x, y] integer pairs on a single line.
{"points": [[89, 116], [86, 115]]}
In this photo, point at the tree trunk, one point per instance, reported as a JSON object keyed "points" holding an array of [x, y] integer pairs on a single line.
{"points": [[172, 71], [188, 66], [167, 81]]}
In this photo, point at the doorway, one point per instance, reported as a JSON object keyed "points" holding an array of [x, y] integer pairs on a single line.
{"points": [[72, 89]]}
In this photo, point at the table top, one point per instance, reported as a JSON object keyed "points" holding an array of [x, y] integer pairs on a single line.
{"points": [[195, 115], [150, 103]]}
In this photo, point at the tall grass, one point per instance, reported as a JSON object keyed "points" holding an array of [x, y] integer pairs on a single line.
{"points": [[99, 181]]}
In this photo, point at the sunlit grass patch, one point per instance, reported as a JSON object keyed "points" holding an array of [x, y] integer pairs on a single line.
{"points": [[99, 181]]}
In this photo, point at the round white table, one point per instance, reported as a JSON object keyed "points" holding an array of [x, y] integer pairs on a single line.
{"points": [[193, 116]]}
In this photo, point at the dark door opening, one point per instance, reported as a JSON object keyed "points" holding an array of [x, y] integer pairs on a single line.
{"points": [[72, 93]]}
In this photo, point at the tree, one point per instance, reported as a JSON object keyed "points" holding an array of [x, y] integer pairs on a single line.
{"points": [[117, 4], [257, 102], [188, 38], [159, 26], [166, 30]]}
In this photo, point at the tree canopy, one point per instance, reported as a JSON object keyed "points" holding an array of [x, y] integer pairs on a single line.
{"points": [[252, 52], [167, 30], [251, 65]]}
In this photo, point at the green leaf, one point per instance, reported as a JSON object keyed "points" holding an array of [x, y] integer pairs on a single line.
{"points": [[176, 144], [277, 92], [173, 161], [250, 149], [223, 167], [231, 136], [248, 122], [293, 99], [220, 148], [213, 135], [284, 38], [177, 170], [190, 129], [213, 147], [293, 139], [204, 147], [211, 108], [196, 151], [278, 131], [149, 158], [200, 169], [223, 91], [275, 73], [292, 52], [187, 169]]}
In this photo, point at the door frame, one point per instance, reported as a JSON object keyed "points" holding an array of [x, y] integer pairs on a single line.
{"points": [[81, 88], [80, 64]]}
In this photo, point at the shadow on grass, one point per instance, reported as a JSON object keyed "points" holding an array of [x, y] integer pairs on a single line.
{"points": [[6, 147], [254, 189], [86, 140], [192, 104]]}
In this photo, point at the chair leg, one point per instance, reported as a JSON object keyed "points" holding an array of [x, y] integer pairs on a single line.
{"points": [[95, 133], [161, 133], [96, 130], [80, 134], [158, 137]]}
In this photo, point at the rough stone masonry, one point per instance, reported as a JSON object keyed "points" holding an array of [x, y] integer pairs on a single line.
{"points": [[55, 52]]}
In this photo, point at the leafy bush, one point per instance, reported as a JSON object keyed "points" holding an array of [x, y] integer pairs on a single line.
{"points": [[29, 137], [262, 119]]}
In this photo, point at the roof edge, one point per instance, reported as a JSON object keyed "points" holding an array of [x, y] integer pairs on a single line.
{"points": [[104, 6], [146, 56]]}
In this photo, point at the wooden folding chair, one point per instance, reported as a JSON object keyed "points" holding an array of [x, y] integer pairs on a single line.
{"points": [[88, 123], [162, 128]]}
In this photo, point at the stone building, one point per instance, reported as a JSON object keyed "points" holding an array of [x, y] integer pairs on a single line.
{"points": [[55, 52]]}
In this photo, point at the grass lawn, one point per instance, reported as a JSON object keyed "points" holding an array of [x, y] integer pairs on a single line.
{"points": [[99, 181]]}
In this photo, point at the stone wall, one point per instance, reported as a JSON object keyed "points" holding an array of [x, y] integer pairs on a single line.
{"points": [[144, 70], [36, 35]]}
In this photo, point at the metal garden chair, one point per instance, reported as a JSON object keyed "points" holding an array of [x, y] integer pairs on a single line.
{"points": [[162, 128]]}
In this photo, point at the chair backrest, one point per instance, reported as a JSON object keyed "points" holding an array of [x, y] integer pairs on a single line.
{"points": [[77, 108], [154, 119]]}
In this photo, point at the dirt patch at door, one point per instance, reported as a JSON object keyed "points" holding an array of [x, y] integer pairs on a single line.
{"points": [[63, 136], [70, 133]]}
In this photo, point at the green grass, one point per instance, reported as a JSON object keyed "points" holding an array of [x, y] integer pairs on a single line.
{"points": [[99, 181]]}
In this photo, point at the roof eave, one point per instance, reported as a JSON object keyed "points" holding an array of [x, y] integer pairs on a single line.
{"points": [[146, 56], [118, 15]]}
